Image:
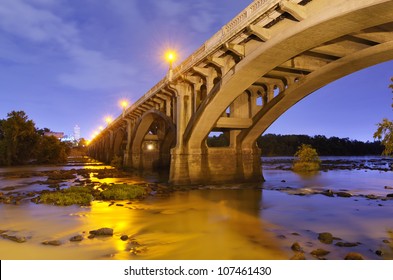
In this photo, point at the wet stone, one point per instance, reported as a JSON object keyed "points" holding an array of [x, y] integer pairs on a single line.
{"points": [[354, 256], [17, 239], [102, 232], [320, 252], [347, 244], [298, 256], [371, 196], [328, 193], [389, 195], [124, 237], [379, 253], [296, 247], [76, 238], [325, 237], [343, 194], [52, 243]]}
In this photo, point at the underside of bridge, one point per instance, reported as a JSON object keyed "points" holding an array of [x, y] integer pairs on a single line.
{"points": [[268, 58]]}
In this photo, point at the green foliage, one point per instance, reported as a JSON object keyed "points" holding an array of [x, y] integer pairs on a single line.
{"points": [[307, 159], [122, 192], [51, 150], [70, 196], [385, 133], [21, 142], [18, 139], [286, 145]]}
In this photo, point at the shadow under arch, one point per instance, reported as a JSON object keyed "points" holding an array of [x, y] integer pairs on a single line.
{"points": [[153, 137]]}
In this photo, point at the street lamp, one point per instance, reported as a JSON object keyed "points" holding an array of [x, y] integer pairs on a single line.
{"points": [[124, 105], [170, 56], [108, 120]]}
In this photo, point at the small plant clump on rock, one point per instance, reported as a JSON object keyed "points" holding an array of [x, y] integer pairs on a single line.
{"points": [[122, 192], [307, 159], [70, 196]]}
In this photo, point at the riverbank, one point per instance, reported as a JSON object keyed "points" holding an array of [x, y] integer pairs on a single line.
{"points": [[279, 219]]}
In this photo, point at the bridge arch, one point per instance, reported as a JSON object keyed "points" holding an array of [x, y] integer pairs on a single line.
{"points": [[308, 34], [154, 136]]}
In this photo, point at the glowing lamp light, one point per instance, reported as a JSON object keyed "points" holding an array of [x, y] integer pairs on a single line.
{"points": [[170, 56], [124, 104], [108, 120], [150, 147]]}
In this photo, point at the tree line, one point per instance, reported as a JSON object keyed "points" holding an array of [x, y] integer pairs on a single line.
{"points": [[287, 145], [21, 142]]}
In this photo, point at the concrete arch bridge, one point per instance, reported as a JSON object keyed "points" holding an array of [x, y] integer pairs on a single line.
{"points": [[265, 60]]}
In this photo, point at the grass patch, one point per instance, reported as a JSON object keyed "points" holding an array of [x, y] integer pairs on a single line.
{"points": [[122, 192], [70, 196]]}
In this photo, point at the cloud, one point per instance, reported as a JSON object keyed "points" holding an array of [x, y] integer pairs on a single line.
{"points": [[94, 71], [38, 23]]}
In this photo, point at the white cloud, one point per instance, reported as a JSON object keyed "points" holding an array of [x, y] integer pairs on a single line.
{"points": [[94, 71], [38, 24]]}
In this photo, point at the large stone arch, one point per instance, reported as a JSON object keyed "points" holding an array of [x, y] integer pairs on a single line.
{"points": [[334, 22], [152, 151], [309, 84], [119, 141]]}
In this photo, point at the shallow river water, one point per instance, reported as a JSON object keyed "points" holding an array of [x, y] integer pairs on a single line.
{"points": [[213, 222]]}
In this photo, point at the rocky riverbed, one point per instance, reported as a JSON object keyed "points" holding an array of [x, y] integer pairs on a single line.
{"points": [[290, 216]]}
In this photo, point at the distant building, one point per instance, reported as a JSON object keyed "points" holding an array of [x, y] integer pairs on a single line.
{"points": [[58, 135], [77, 133]]}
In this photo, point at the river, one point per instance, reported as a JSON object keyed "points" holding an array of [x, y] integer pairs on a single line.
{"points": [[260, 221]]}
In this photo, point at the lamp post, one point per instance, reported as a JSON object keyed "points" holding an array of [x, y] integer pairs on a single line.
{"points": [[108, 120], [124, 105], [170, 56]]}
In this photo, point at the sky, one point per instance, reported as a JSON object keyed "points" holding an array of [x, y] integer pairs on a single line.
{"points": [[68, 63]]}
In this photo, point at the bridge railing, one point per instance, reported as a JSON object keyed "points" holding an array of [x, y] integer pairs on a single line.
{"points": [[255, 10]]}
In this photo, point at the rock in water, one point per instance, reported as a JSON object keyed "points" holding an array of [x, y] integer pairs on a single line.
{"points": [[76, 238], [52, 242], [326, 237], [344, 194], [102, 232], [319, 253], [354, 256], [124, 237], [298, 256], [296, 247]]}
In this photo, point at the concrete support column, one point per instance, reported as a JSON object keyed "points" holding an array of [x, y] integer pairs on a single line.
{"points": [[126, 159], [216, 165]]}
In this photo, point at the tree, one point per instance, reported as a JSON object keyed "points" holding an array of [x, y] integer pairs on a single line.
{"points": [[307, 159], [385, 133], [18, 138], [51, 150]]}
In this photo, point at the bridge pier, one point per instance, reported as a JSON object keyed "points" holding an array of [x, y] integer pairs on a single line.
{"points": [[215, 166]]}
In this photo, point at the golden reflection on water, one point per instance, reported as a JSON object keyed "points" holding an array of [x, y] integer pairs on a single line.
{"points": [[210, 224]]}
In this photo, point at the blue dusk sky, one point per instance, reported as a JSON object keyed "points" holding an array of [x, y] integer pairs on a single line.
{"points": [[68, 63]]}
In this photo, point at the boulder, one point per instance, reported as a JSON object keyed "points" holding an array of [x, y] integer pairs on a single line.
{"points": [[52, 243], [102, 232], [296, 247], [124, 237], [320, 253], [343, 194], [76, 238], [354, 256], [325, 237]]}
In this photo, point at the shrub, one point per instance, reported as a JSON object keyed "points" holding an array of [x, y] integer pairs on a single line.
{"points": [[307, 159], [70, 196], [122, 192]]}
